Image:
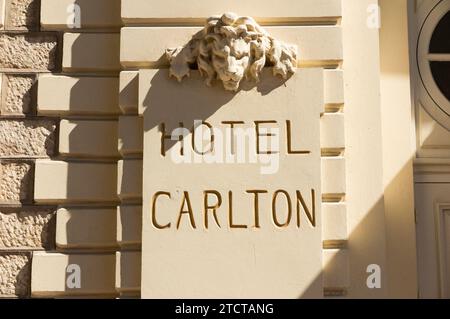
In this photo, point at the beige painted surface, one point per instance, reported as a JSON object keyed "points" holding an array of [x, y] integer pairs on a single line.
{"points": [[433, 206], [398, 150], [129, 225], [94, 14], [138, 49], [91, 52], [67, 95], [84, 138], [128, 272], [334, 86], [129, 89], [129, 179], [2, 13], [130, 135], [49, 274], [433, 139], [363, 155], [333, 172], [228, 262], [63, 182], [336, 268], [332, 134], [129, 92], [86, 228], [334, 216], [139, 11]]}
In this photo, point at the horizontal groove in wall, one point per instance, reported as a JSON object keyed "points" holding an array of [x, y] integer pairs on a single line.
{"points": [[326, 64], [333, 198], [335, 292], [334, 108], [332, 152], [20, 249], [335, 244], [199, 22]]}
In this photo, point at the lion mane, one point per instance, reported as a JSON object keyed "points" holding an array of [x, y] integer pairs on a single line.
{"points": [[230, 48]]}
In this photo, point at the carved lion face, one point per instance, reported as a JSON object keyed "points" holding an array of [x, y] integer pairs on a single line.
{"points": [[230, 48]]}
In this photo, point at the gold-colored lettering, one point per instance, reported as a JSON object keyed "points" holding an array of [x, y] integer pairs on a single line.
{"points": [[154, 222], [230, 212], [258, 135], [289, 140], [214, 207], [274, 208], [256, 204], [310, 214], [189, 211]]}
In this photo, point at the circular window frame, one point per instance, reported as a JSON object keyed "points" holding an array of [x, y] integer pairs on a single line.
{"points": [[433, 100]]}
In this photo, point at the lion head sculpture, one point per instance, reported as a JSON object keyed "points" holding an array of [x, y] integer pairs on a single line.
{"points": [[231, 48]]}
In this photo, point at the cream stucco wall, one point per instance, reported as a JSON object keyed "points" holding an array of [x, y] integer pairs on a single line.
{"points": [[398, 149], [82, 130]]}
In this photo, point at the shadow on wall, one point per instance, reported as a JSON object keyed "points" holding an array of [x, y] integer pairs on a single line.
{"points": [[362, 239], [81, 103], [190, 101], [337, 276]]}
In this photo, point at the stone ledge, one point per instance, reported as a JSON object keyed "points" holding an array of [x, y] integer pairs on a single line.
{"points": [[131, 136], [334, 225], [336, 268], [86, 138], [182, 13], [95, 14], [128, 272], [129, 226], [49, 274], [333, 176], [86, 228], [318, 45], [65, 95], [91, 52], [75, 182]]}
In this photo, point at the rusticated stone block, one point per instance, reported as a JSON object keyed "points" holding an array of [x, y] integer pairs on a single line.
{"points": [[22, 14], [15, 182], [18, 94], [15, 274], [28, 51], [31, 138], [27, 227]]}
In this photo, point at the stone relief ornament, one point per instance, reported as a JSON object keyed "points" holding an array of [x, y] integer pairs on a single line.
{"points": [[231, 48]]}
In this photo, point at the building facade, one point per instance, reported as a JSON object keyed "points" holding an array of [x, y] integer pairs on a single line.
{"points": [[94, 204]]}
